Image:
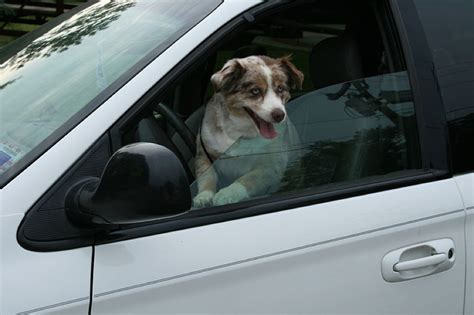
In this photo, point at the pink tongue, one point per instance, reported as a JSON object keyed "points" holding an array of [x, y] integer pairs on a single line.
{"points": [[266, 129]]}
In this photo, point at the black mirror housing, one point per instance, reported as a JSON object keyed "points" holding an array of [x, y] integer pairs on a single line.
{"points": [[141, 182]]}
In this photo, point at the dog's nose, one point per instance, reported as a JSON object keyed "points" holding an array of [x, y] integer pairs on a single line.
{"points": [[278, 115]]}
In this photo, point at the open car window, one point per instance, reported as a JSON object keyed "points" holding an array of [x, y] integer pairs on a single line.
{"points": [[341, 133], [351, 119]]}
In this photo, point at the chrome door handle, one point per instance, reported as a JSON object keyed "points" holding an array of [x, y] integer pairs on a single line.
{"points": [[418, 260]]}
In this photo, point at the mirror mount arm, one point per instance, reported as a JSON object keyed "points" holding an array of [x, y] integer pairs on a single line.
{"points": [[77, 199]]}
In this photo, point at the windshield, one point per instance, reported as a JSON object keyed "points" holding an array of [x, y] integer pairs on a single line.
{"points": [[46, 84]]}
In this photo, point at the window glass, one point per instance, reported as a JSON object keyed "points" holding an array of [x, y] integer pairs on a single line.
{"points": [[59, 73], [339, 133], [449, 29]]}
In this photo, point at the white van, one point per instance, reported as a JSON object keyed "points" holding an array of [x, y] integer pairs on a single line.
{"points": [[99, 111]]}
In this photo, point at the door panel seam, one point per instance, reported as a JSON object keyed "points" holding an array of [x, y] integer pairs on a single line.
{"points": [[43, 308], [136, 286]]}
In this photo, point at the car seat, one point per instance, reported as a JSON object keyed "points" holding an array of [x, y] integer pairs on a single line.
{"points": [[318, 118]]}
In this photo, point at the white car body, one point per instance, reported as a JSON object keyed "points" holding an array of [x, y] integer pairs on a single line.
{"points": [[324, 258]]}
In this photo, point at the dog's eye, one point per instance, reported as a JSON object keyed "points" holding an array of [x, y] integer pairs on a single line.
{"points": [[279, 89], [255, 91]]}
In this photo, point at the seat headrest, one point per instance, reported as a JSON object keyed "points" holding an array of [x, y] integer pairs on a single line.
{"points": [[249, 50], [335, 60]]}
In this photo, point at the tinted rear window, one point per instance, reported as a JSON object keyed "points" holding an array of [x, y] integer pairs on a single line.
{"points": [[449, 28]]}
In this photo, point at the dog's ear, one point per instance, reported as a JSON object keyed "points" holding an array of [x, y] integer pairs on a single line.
{"points": [[295, 77], [225, 79]]}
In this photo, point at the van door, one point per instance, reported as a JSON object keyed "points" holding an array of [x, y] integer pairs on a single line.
{"points": [[377, 225]]}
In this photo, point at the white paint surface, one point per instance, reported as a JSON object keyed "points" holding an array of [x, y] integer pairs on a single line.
{"points": [[466, 187], [318, 259]]}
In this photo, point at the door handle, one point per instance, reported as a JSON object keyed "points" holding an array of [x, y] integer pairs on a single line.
{"points": [[418, 260]]}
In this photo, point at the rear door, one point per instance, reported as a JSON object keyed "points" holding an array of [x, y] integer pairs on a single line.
{"points": [[387, 237]]}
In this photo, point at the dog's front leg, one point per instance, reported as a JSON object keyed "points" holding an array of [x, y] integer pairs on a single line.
{"points": [[206, 179], [206, 188], [251, 184]]}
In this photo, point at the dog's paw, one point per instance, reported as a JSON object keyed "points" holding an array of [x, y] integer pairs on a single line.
{"points": [[233, 193], [203, 199]]}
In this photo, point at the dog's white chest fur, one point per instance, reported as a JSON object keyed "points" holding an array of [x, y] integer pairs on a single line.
{"points": [[221, 130], [240, 156]]}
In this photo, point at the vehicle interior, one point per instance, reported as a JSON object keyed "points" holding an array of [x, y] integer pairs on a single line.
{"points": [[332, 43]]}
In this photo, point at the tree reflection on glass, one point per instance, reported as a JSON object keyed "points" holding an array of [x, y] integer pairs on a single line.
{"points": [[369, 152], [5, 12], [4, 85], [71, 32]]}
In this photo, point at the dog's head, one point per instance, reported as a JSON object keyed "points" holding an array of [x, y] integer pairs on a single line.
{"points": [[256, 89]]}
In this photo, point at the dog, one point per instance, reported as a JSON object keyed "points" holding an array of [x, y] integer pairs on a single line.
{"points": [[246, 117]]}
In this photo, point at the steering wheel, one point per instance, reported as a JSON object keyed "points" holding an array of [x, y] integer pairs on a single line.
{"points": [[179, 125]]}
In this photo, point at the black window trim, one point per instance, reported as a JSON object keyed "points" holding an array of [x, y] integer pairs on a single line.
{"points": [[290, 201], [271, 204], [430, 114]]}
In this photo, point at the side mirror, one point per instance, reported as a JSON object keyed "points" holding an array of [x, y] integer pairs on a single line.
{"points": [[141, 182]]}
